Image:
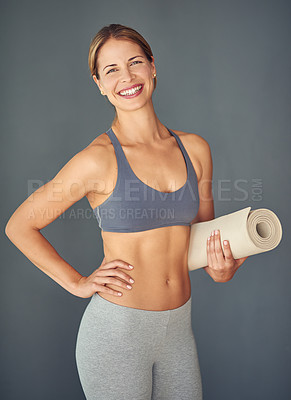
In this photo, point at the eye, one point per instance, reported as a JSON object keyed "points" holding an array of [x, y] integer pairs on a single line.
{"points": [[136, 61], [112, 69]]}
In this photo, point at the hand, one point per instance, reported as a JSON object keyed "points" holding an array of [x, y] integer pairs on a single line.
{"points": [[221, 264], [96, 282]]}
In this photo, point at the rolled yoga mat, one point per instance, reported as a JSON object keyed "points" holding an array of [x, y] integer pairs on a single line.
{"points": [[248, 233]]}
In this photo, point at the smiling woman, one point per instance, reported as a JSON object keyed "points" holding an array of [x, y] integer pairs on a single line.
{"points": [[141, 57], [146, 184], [147, 226]]}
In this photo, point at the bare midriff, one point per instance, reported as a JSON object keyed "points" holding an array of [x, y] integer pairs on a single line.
{"points": [[160, 273]]}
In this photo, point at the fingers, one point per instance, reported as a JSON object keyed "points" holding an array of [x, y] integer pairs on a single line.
{"points": [[110, 280], [209, 256], [218, 249], [216, 256], [116, 263], [104, 289], [115, 281], [227, 253], [108, 273], [212, 250], [115, 272]]}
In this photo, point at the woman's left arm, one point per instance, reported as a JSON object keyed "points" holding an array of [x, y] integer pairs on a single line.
{"points": [[221, 264]]}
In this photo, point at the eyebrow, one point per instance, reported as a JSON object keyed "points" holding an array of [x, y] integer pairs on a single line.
{"points": [[113, 65]]}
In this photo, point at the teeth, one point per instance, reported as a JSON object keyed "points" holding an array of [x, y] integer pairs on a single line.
{"points": [[131, 91]]}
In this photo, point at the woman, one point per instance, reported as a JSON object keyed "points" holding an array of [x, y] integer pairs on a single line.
{"points": [[146, 184]]}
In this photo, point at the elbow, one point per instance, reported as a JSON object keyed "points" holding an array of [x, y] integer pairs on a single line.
{"points": [[17, 228], [10, 229], [13, 228], [7, 229]]}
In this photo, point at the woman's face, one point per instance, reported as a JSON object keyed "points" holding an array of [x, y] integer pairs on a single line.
{"points": [[122, 65]]}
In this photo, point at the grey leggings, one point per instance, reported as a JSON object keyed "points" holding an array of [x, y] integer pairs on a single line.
{"points": [[125, 353]]}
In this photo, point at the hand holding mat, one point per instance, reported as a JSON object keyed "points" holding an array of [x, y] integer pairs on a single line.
{"points": [[248, 233]]}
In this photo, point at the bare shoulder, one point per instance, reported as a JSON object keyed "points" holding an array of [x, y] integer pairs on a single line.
{"points": [[198, 149], [193, 141], [97, 155], [101, 145], [100, 140], [90, 166]]}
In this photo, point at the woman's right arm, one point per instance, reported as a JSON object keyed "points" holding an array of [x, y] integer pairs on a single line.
{"points": [[81, 175]]}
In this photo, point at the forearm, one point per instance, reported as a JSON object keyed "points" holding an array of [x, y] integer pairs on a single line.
{"points": [[42, 254]]}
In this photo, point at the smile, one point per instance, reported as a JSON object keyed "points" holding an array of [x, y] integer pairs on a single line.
{"points": [[135, 91]]}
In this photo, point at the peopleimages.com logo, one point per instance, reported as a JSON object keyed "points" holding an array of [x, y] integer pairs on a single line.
{"points": [[237, 190], [222, 190]]}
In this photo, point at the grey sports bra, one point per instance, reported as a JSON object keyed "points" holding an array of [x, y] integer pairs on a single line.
{"points": [[134, 206]]}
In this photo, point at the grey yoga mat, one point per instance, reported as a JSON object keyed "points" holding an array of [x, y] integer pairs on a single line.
{"points": [[248, 233]]}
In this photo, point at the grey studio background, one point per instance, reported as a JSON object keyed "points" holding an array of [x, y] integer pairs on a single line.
{"points": [[223, 70]]}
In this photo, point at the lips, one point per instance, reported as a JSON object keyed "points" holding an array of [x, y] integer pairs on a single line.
{"points": [[131, 87]]}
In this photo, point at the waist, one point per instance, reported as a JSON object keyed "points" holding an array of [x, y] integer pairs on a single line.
{"points": [[149, 293], [156, 287], [159, 257], [122, 310]]}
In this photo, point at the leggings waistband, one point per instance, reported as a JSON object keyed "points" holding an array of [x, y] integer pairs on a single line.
{"points": [[110, 307]]}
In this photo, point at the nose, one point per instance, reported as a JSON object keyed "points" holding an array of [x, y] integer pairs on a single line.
{"points": [[126, 75]]}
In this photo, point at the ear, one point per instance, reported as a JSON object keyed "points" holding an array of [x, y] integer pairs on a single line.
{"points": [[153, 64], [96, 81]]}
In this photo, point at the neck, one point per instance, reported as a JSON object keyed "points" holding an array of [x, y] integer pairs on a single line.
{"points": [[138, 126]]}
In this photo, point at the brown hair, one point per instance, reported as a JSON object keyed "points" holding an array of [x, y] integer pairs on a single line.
{"points": [[116, 31]]}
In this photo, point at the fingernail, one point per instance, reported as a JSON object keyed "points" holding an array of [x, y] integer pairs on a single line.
{"points": [[225, 242], [216, 232], [212, 233], [131, 280], [128, 286], [130, 266]]}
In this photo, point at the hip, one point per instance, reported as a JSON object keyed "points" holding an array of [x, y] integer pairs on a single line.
{"points": [[115, 321]]}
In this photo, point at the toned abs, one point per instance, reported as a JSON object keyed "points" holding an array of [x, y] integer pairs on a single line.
{"points": [[159, 256]]}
